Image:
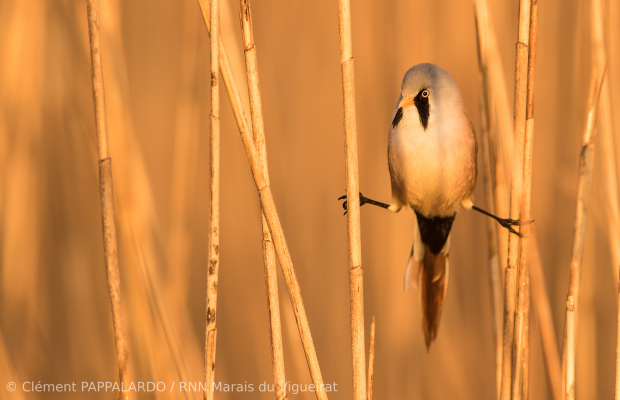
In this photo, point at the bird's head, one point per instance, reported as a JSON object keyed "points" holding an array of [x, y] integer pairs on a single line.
{"points": [[431, 91]]}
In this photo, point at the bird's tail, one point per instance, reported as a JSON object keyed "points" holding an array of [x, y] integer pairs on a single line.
{"points": [[433, 282]]}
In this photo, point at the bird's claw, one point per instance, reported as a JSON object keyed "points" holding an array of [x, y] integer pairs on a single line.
{"points": [[508, 223], [344, 204], [363, 200]]}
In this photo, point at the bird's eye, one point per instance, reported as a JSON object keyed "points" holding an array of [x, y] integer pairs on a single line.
{"points": [[425, 93]]}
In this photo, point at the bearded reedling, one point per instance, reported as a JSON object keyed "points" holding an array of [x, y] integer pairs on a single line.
{"points": [[432, 152]]}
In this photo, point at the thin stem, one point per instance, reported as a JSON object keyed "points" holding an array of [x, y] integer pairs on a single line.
{"points": [[356, 281], [214, 194], [371, 358], [135, 216], [605, 127], [271, 215], [520, 384], [586, 164], [269, 257], [110, 243], [542, 307], [507, 339], [495, 94], [500, 120], [569, 391], [510, 374], [495, 277]]}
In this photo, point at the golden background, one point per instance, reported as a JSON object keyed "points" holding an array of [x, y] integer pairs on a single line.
{"points": [[55, 321]]}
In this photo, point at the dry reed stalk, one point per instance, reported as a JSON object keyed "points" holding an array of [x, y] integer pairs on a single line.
{"points": [[354, 242], [273, 303], [540, 300], [610, 165], [606, 132], [500, 120], [520, 366], [509, 316], [495, 95], [509, 364], [138, 225], [110, 244], [271, 215], [214, 197], [494, 268], [569, 391], [586, 164], [269, 257], [371, 358]]}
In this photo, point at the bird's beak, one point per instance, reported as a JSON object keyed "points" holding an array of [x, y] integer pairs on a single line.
{"points": [[406, 101]]}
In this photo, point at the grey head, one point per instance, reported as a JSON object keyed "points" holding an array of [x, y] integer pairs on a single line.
{"points": [[432, 91]]}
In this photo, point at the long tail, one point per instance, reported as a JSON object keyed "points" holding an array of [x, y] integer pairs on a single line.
{"points": [[433, 282]]}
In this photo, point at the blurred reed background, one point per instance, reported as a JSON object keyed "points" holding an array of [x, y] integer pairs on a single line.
{"points": [[55, 321]]}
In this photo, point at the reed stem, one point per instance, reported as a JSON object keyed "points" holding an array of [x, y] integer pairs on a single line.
{"points": [[586, 164], [494, 268], [520, 383], [110, 243], [214, 196], [542, 307], [269, 257], [605, 127], [371, 358], [356, 279], [510, 375], [259, 174], [569, 392]]}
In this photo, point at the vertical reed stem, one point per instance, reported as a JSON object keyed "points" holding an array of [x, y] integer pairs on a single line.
{"points": [[356, 280], [509, 312], [540, 299], [606, 131], [586, 164], [260, 175], [609, 161], [520, 373], [214, 194], [371, 358], [569, 392], [510, 363], [494, 268], [110, 244], [269, 257]]}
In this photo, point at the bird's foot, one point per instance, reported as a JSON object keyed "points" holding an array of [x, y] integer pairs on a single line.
{"points": [[508, 223], [363, 200]]}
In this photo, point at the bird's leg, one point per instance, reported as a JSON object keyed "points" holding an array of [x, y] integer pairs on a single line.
{"points": [[363, 200], [507, 223]]}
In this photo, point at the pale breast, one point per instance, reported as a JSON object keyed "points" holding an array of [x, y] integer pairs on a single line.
{"points": [[432, 170]]}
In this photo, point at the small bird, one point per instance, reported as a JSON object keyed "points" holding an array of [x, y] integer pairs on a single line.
{"points": [[432, 153]]}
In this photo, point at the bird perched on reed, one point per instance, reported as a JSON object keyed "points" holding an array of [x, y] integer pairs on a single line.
{"points": [[432, 152]]}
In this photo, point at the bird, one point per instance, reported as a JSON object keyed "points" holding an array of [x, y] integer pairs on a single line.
{"points": [[432, 160]]}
